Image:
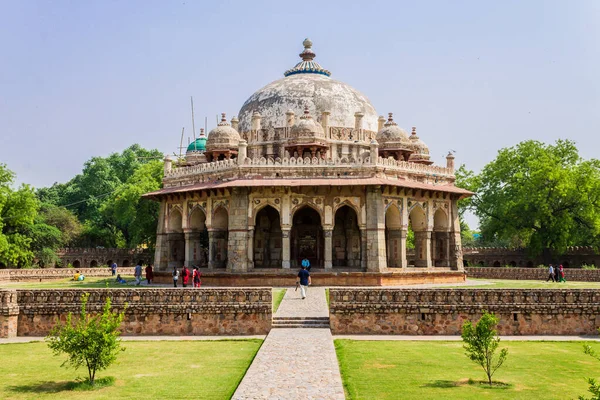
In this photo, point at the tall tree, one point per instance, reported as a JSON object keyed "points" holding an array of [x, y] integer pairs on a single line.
{"points": [[544, 197]]}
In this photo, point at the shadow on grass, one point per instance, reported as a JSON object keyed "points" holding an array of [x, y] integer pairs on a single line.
{"points": [[56, 387], [444, 384]]}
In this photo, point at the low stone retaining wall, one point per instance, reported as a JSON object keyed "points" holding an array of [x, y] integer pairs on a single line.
{"points": [[443, 311], [240, 311], [534, 274], [43, 274], [320, 277]]}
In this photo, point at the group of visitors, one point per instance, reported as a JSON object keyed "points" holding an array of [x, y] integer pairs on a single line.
{"points": [[195, 275], [556, 274], [78, 276], [138, 274]]}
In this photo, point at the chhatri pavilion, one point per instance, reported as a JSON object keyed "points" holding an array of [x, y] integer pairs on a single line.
{"points": [[308, 169]]}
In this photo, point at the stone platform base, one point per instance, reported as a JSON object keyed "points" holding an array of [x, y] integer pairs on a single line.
{"points": [[320, 277]]}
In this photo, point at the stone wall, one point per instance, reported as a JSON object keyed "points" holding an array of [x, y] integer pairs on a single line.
{"points": [[93, 257], [39, 275], [241, 311], [499, 257], [534, 274], [443, 311]]}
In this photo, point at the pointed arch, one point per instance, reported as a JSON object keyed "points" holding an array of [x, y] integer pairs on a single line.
{"points": [[440, 220], [348, 203], [175, 220], [307, 239], [418, 218], [261, 206], [346, 238], [267, 248]]}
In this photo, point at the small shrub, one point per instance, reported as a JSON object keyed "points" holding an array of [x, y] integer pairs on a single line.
{"points": [[543, 266], [92, 341], [588, 267], [481, 342]]}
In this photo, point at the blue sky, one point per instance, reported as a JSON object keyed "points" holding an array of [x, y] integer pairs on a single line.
{"points": [[87, 78]]}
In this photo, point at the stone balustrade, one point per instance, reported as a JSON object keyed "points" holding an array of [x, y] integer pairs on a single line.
{"points": [[43, 274], [443, 311], [349, 162], [532, 274], [240, 311]]}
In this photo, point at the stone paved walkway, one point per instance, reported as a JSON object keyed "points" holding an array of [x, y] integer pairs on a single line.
{"points": [[295, 363]]}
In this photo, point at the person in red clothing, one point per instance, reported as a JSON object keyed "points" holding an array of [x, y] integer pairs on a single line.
{"points": [[149, 274], [196, 277], [185, 276]]}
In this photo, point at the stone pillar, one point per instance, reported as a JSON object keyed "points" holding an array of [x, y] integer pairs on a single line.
{"points": [[161, 251], [211, 248], [380, 122], [237, 251], [376, 254], [450, 162], [285, 248], [290, 118], [402, 251], [189, 247], [325, 123], [394, 247], [235, 123], [423, 248], [327, 235], [242, 152], [255, 121], [456, 258], [374, 152], [9, 313], [358, 121], [250, 247], [363, 249], [168, 165]]}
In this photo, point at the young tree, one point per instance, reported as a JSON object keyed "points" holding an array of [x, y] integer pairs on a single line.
{"points": [[91, 341], [594, 387], [481, 342]]}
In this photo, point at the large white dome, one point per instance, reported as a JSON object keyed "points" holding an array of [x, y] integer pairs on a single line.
{"points": [[307, 84]]}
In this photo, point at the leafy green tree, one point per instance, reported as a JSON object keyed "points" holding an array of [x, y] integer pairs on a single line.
{"points": [[18, 209], [481, 342], [539, 196], [134, 216], [594, 387], [93, 342]]}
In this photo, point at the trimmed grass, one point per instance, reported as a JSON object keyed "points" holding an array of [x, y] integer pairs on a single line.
{"points": [[145, 370], [514, 284], [440, 370], [91, 282], [277, 298]]}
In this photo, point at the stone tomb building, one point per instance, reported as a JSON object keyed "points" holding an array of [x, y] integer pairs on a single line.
{"points": [[309, 169]]}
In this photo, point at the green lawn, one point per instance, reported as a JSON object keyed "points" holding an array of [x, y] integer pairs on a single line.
{"points": [[146, 370], [440, 370], [514, 284], [91, 282], [277, 298]]}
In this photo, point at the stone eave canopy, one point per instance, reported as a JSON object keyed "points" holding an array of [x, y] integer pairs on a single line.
{"points": [[309, 182]]}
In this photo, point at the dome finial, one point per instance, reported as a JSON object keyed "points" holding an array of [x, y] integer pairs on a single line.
{"points": [[306, 112], [307, 54], [390, 120], [307, 65], [414, 131]]}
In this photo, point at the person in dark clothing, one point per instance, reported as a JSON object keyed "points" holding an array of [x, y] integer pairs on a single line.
{"points": [[304, 280], [550, 273]]}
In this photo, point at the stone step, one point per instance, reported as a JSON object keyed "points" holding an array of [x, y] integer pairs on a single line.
{"points": [[300, 322], [275, 325], [301, 319]]}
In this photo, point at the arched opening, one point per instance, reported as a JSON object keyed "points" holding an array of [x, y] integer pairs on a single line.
{"points": [[126, 263], [393, 237], [198, 238], [267, 239], [176, 239], [529, 264], [496, 264], [346, 238], [93, 264], [513, 264], [307, 237], [565, 264], [481, 264], [418, 222], [109, 263], [76, 264], [441, 239], [220, 236]]}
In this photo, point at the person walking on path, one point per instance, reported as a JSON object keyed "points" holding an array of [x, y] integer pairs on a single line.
{"points": [[304, 280], [196, 277], [185, 276], [561, 274], [138, 274], [550, 273], [113, 268], [306, 263], [149, 274], [175, 276]]}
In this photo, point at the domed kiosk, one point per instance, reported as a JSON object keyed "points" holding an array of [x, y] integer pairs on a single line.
{"points": [[310, 171]]}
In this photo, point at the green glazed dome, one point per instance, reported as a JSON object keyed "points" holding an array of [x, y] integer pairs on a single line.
{"points": [[197, 145]]}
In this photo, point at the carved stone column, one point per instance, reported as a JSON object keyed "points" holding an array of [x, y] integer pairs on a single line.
{"points": [[211, 249], [285, 248], [250, 248], [403, 261], [237, 239], [363, 249], [376, 254], [327, 235], [423, 249]]}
